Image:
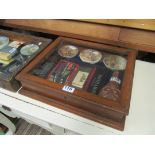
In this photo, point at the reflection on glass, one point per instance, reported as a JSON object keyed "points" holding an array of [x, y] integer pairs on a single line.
{"points": [[95, 71], [13, 55]]}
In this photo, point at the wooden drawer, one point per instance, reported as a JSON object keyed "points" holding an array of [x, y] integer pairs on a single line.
{"points": [[139, 35], [137, 39], [83, 101]]}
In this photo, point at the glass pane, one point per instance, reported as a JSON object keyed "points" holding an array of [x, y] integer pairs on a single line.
{"points": [[14, 54], [96, 71]]}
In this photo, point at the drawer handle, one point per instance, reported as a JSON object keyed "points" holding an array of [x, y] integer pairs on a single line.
{"points": [[6, 108]]}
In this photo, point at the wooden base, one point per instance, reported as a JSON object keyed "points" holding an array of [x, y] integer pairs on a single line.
{"points": [[119, 125]]}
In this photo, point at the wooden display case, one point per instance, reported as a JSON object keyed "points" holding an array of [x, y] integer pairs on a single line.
{"points": [[18, 61], [58, 88]]}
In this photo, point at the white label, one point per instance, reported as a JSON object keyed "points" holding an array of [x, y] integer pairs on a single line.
{"points": [[39, 43], [68, 89], [116, 80]]}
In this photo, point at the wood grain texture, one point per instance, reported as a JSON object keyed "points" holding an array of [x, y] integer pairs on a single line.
{"points": [[137, 37], [146, 24], [96, 31], [71, 27], [84, 113]]}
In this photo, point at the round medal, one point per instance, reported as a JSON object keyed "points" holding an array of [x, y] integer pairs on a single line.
{"points": [[114, 62], [29, 49], [90, 56], [4, 41], [68, 51]]}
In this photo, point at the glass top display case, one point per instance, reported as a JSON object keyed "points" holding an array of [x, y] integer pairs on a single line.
{"points": [[89, 79], [16, 51]]}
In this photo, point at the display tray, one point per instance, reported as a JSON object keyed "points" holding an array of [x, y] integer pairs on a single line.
{"points": [[16, 51], [89, 79]]}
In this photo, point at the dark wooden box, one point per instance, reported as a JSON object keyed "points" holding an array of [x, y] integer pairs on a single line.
{"points": [[9, 82], [80, 102]]}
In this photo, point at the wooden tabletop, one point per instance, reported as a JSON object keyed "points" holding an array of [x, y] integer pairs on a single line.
{"points": [[147, 24]]}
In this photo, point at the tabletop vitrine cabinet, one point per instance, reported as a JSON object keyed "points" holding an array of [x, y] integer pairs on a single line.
{"points": [[87, 70], [77, 85]]}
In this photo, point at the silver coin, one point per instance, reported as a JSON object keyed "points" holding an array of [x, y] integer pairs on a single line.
{"points": [[4, 41], [29, 49], [90, 56], [68, 51]]}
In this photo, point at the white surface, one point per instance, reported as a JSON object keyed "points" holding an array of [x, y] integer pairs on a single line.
{"points": [[8, 113], [6, 122], [140, 119]]}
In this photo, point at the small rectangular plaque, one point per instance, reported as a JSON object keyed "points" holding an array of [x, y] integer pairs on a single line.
{"points": [[68, 89]]}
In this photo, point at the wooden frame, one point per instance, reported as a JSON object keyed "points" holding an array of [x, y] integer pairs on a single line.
{"points": [[111, 113]]}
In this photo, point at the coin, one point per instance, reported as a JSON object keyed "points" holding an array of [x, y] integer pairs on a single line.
{"points": [[110, 91], [90, 56], [68, 51], [4, 41], [114, 62], [29, 49]]}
